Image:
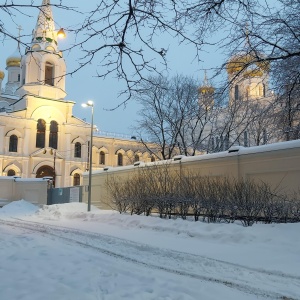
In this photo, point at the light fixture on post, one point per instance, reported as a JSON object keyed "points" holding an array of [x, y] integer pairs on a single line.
{"points": [[53, 152], [90, 104], [61, 33]]}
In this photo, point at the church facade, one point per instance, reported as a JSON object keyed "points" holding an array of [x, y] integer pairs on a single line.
{"points": [[247, 116], [39, 135]]}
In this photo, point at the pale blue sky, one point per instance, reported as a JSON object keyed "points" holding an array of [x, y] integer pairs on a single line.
{"points": [[84, 86]]}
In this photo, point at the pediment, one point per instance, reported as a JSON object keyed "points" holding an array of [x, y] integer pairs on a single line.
{"points": [[46, 153]]}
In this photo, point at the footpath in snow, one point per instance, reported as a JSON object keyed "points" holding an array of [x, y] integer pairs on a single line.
{"points": [[64, 252]]}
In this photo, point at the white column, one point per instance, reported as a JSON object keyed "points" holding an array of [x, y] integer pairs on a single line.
{"points": [[26, 141]]}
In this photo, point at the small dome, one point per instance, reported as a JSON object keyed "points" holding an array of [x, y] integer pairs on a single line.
{"points": [[14, 60], [206, 87], [2, 75], [206, 90]]}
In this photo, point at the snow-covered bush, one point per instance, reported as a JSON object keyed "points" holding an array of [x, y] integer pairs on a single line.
{"points": [[158, 189]]}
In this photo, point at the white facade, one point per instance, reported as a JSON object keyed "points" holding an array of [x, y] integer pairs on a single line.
{"points": [[39, 136]]}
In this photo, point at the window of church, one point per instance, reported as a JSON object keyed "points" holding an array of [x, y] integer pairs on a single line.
{"points": [[120, 159], [261, 90], [76, 179], [49, 74], [40, 133], [11, 172], [236, 92], [77, 152], [53, 134], [136, 158], [152, 158], [102, 158], [13, 143]]}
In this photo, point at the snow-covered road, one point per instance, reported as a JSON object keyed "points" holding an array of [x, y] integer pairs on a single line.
{"points": [[40, 260]]}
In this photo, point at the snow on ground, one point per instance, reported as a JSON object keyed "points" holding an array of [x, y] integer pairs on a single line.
{"points": [[64, 252]]}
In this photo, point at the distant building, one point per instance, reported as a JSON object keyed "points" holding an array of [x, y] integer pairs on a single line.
{"points": [[39, 135], [247, 119]]}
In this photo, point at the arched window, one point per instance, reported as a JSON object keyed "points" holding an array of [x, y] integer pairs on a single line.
{"points": [[49, 74], [76, 179], [77, 152], [120, 159], [102, 158], [236, 92], [13, 143], [152, 158], [53, 134], [40, 133], [136, 158], [11, 172]]}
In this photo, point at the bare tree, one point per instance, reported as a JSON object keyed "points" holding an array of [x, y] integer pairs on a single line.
{"points": [[121, 37], [172, 116], [11, 12], [287, 77], [263, 129]]}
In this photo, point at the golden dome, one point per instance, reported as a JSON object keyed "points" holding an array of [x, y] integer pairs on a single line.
{"points": [[206, 90], [2, 75], [14, 60], [241, 62], [206, 87]]}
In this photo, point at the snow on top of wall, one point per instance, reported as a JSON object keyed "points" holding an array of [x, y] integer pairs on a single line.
{"points": [[6, 178], [31, 179], [233, 151], [19, 179], [240, 150], [270, 147]]}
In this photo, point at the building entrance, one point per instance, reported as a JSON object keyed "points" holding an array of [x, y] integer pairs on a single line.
{"points": [[46, 171]]}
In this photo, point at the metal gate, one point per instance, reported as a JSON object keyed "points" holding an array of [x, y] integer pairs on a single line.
{"points": [[64, 195]]}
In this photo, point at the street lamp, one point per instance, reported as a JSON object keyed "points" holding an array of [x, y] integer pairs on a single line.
{"points": [[61, 33], [91, 104]]}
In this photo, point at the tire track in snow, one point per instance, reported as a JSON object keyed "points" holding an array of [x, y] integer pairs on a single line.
{"points": [[235, 276]]}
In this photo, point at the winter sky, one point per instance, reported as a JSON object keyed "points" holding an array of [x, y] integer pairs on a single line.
{"points": [[84, 86]]}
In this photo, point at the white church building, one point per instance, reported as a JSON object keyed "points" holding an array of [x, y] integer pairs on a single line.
{"points": [[39, 135]]}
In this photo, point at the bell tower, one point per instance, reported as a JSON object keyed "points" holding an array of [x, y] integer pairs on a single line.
{"points": [[43, 67]]}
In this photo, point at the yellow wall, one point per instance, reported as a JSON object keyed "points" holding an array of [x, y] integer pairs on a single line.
{"points": [[276, 164]]}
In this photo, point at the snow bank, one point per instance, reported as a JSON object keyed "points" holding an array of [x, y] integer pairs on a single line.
{"points": [[65, 211], [18, 208], [233, 234]]}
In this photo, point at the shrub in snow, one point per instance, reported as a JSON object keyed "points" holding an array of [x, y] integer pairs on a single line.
{"points": [[157, 189]]}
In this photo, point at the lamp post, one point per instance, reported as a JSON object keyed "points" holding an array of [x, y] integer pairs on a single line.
{"points": [[53, 152], [90, 104]]}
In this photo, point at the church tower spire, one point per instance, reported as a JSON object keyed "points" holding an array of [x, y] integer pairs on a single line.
{"points": [[43, 67], [44, 31]]}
